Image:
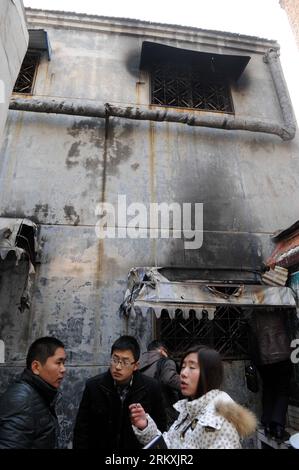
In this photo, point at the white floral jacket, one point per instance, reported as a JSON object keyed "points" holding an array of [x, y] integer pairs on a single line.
{"points": [[213, 421]]}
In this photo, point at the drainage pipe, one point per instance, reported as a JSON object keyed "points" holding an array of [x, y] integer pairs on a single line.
{"points": [[90, 108]]}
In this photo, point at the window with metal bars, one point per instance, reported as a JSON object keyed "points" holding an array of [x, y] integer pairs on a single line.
{"points": [[227, 333], [26, 77], [187, 87]]}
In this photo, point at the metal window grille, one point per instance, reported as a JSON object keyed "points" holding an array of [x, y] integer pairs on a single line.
{"points": [[227, 333], [26, 77], [189, 88], [25, 240]]}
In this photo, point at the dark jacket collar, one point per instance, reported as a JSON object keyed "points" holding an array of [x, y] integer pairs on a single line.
{"points": [[46, 390], [107, 381]]}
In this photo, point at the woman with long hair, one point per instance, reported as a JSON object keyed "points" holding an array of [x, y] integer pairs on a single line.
{"points": [[208, 417]]}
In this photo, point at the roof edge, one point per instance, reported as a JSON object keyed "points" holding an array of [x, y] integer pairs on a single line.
{"points": [[117, 21]]}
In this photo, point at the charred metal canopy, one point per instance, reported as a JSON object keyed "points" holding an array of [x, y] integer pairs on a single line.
{"points": [[39, 41], [286, 253], [149, 291], [229, 66]]}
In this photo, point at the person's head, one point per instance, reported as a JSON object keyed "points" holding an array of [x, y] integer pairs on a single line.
{"points": [[201, 371], [157, 345], [45, 358], [125, 353]]}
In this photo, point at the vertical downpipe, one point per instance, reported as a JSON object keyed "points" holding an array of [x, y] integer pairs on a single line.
{"points": [[100, 254], [272, 59], [152, 181], [2, 352], [102, 199]]}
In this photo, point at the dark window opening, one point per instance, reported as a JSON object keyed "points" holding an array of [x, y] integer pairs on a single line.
{"points": [[227, 333], [188, 87], [192, 79], [26, 77], [25, 240]]}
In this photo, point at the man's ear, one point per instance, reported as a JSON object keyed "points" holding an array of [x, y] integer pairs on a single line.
{"points": [[35, 367], [136, 366], [163, 352]]}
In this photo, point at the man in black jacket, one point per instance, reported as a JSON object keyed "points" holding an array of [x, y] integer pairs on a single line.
{"points": [[271, 350], [103, 420], [27, 408]]}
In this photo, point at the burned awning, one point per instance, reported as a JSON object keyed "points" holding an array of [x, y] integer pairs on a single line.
{"points": [[286, 252], [224, 65], [39, 41], [150, 292], [18, 237]]}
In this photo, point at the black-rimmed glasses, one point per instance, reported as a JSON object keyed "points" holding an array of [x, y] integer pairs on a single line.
{"points": [[115, 361]]}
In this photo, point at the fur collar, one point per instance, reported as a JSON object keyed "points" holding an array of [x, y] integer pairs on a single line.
{"points": [[216, 406], [244, 420]]}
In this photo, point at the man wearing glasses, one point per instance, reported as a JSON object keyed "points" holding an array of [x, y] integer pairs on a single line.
{"points": [[103, 420]]}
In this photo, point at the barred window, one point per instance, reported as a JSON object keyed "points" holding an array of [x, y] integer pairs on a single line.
{"points": [[227, 332], [188, 87], [194, 79], [26, 77]]}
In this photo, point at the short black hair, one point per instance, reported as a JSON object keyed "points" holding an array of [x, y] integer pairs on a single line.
{"points": [[156, 344], [211, 368], [127, 342], [41, 349]]}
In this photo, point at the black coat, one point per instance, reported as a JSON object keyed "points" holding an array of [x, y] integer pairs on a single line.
{"points": [[103, 421], [27, 416]]}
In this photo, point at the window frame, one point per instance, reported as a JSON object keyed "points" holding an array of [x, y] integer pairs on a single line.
{"points": [[210, 325], [37, 54], [208, 81]]}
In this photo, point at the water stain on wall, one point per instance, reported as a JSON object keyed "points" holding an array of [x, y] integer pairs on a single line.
{"points": [[73, 154], [119, 143], [71, 215], [41, 211], [135, 166]]}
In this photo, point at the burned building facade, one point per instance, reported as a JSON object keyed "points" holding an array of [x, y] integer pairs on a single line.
{"points": [[126, 114]]}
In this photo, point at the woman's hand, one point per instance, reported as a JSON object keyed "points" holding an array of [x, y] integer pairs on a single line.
{"points": [[138, 416]]}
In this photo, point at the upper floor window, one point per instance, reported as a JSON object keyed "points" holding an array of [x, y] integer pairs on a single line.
{"points": [[26, 77], [191, 79], [38, 45], [186, 87]]}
